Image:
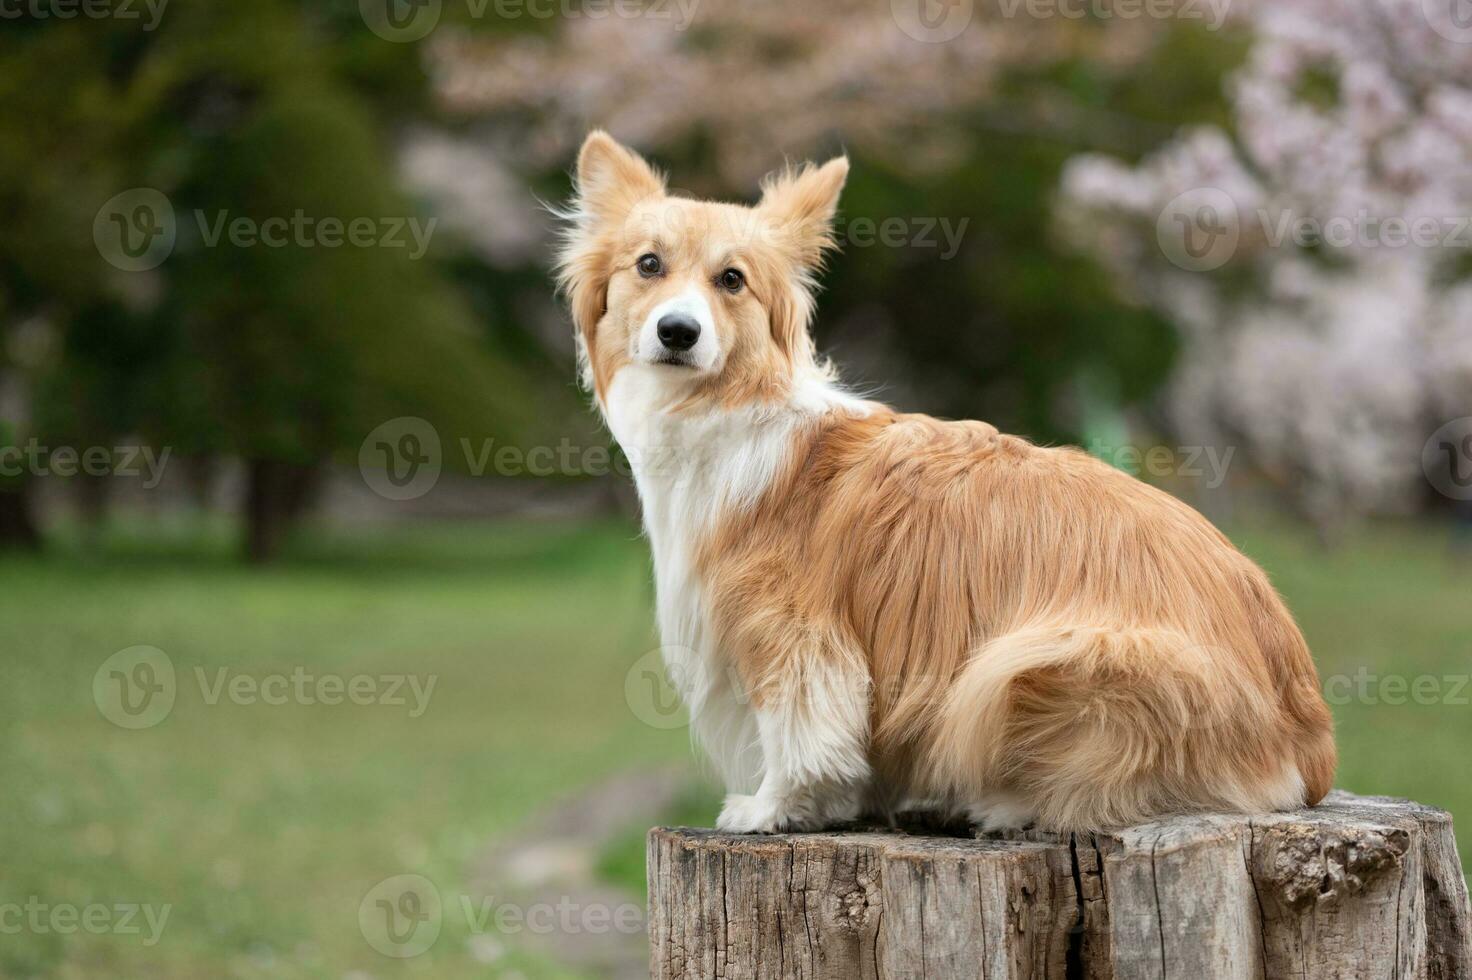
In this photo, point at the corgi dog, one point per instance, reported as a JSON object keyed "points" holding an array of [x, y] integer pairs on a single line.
{"points": [[865, 609]]}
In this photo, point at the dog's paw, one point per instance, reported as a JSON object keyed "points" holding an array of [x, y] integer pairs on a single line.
{"points": [[1000, 814], [751, 815]]}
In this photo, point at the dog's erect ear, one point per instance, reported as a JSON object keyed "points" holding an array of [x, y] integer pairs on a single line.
{"points": [[802, 203], [613, 178]]}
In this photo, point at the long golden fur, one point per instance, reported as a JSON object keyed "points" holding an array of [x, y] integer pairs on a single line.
{"points": [[913, 609]]}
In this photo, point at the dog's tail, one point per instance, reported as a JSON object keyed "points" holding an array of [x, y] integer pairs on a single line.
{"points": [[1095, 726]]}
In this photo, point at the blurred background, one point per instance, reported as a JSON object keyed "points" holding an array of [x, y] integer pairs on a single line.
{"points": [[325, 621]]}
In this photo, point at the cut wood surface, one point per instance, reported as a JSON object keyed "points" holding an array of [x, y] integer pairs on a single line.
{"points": [[1357, 887]]}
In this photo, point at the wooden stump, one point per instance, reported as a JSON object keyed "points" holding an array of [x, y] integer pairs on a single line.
{"points": [[1357, 887]]}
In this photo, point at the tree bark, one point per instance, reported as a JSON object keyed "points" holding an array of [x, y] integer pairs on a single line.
{"points": [[277, 494], [18, 530], [1354, 888]]}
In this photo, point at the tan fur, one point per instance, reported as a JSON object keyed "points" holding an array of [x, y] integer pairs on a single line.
{"points": [[1034, 624]]}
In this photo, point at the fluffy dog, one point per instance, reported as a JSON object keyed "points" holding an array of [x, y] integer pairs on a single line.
{"points": [[865, 608]]}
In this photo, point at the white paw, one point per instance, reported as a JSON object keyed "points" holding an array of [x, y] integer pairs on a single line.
{"points": [[1001, 813], [751, 815]]}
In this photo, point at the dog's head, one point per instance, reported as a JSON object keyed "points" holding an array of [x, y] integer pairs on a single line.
{"points": [[713, 300]]}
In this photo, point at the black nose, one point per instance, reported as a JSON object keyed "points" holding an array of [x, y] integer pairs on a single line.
{"points": [[678, 331]]}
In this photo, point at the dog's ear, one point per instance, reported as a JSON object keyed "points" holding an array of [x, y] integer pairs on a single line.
{"points": [[613, 178], [801, 204]]}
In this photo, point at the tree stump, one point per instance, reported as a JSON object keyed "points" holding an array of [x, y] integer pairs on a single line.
{"points": [[1357, 887]]}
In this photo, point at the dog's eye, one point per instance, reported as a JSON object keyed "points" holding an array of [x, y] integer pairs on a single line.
{"points": [[649, 265], [732, 279]]}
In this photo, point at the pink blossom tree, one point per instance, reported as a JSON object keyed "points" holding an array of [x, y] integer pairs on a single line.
{"points": [[1315, 258]]}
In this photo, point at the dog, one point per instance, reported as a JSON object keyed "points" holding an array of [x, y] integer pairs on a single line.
{"points": [[864, 609]]}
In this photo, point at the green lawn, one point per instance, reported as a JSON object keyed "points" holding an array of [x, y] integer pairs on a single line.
{"points": [[263, 826]]}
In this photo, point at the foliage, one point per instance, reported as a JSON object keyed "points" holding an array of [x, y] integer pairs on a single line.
{"points": [[284, 354], [1321, 335], [965, 137]]}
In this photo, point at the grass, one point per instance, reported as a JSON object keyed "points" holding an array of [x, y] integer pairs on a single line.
{"points": [[263, 826]]}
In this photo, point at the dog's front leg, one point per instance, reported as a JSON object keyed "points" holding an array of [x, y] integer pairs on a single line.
{"points": [[813, 729]]}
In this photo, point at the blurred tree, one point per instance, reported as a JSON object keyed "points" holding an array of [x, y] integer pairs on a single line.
{"points": [[1312, 249], [960, 135], [281, 352]]}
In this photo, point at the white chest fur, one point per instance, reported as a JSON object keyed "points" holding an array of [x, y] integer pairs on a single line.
{"points": [[691, 468]]}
